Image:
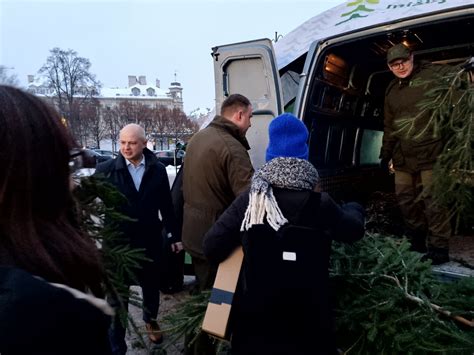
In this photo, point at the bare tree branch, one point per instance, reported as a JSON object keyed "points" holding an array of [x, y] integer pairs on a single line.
{"points": [[6, 79], [72, 83]]}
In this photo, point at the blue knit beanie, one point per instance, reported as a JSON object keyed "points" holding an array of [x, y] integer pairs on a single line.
{"points": [[288, 137]]}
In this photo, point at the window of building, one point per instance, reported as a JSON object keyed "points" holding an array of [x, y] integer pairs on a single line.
{"points": [[150, 92], [135, 91]]}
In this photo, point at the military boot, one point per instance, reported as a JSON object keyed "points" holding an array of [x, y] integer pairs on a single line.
{"points": [[417, 240], [436, 255]]}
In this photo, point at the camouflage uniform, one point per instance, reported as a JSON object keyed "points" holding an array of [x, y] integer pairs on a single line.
{"points": [[413, 153]]}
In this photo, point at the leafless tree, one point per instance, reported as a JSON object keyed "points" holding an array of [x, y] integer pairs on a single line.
{"points": [[6, 79], [180, 126], [160, 117], [71, 81], [135, 112], [114, 120], [92, 118]]}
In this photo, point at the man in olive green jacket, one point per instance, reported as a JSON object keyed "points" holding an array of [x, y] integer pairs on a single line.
{"points": [[217, 168], [410, 143]]}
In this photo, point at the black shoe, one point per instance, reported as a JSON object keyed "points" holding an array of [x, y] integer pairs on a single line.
{"points": [[437, 256]]}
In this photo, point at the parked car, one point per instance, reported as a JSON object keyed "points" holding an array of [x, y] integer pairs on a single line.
{"points": [[99, 158], [167, 157], [106, 152]]}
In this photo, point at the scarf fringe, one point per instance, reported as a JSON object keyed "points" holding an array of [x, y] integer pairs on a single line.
{"points": [[290, 173], [263, 204]]}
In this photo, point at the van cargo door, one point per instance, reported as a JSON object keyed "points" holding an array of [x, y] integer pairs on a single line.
{"points": [[249, 68]]}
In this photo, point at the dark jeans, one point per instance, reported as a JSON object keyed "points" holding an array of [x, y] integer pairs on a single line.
{"points": [[149, 281]]}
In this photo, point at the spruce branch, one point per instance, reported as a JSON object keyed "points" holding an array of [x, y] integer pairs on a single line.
{"points": [[187, 320], [387, 301], [420, 301], [392, 305]]}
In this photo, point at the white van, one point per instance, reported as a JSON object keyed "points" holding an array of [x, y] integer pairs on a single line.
{"points": [[331, 72]]}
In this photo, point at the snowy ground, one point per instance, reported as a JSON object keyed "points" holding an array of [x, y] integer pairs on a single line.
{"points": [[168, 304], [172, 171]]}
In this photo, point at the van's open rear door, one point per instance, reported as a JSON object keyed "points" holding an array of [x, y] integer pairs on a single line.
{"points": [[249, 68]]}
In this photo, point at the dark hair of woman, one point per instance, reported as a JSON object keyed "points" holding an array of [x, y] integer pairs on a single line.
{"points": [[37, 233]]}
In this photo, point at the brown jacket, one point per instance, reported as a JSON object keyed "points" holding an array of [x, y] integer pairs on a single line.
{"points": [[217, 169]]}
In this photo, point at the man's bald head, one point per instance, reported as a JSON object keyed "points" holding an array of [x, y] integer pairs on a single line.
{"points": [[132, 142], [134, 129]]}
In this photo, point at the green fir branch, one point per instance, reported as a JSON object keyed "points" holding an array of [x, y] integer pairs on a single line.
{"points": [[386, 302], [187, 320]]}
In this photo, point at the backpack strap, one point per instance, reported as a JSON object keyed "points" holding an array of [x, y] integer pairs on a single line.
{"points": [[306, 212]]}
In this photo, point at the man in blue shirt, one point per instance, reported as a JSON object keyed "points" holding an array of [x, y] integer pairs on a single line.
{"points": [[143, 180]]}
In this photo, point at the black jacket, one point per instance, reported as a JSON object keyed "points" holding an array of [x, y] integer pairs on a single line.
{"points": [[282, 306], [143, 206], [39, 318]]}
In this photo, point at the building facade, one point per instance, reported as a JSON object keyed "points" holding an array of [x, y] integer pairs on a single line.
{"points": [[99, 129], [137, 91]]}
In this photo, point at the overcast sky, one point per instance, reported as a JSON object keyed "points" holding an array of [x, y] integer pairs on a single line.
{"points": [[155, 38]]}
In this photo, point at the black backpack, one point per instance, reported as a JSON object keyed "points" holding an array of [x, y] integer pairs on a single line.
{"points": [[284, 284]]}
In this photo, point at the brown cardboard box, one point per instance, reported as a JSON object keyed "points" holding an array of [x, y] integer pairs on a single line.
{"points": [[218, 310]]}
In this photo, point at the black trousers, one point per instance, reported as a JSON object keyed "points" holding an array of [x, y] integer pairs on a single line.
{"points": [[148, 278]]}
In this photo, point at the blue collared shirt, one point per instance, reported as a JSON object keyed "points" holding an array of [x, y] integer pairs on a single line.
{"points": [[136, 172]]}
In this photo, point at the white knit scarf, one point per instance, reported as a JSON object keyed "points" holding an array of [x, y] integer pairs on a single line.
{"points": [[288, 173]]}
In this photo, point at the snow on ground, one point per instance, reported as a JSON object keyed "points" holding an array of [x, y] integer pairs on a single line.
{"points": [[172, 171], [168, 304]]}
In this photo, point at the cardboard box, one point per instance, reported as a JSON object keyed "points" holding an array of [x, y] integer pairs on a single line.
{"points": [[218, 310]]}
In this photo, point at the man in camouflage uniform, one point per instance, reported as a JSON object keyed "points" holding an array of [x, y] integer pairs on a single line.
{"points": [[413, 150]]}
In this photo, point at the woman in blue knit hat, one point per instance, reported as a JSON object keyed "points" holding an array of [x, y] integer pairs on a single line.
{"points": [[285, 227]]}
